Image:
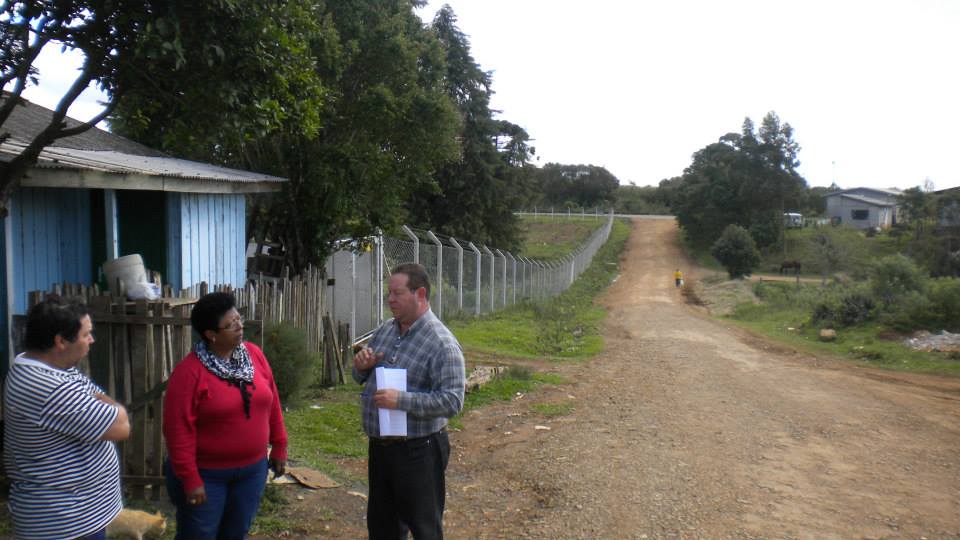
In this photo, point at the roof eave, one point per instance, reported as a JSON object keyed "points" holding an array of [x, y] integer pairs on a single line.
{"points": [[89, 179]]}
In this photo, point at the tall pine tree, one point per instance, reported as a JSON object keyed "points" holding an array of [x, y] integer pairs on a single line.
{"points": [[476, 194]]}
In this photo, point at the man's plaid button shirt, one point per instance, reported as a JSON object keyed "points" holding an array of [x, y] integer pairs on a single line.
{"points": [[435, 374]]}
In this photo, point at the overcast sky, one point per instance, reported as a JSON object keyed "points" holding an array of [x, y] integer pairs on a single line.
{"points": [[871, 88], [637, 87]]}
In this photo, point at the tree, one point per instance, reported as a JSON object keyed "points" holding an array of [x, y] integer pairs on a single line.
{"points": [[475, 196], [747, 178], [917, 209], [247, 72], [581, 186], [230, 52], [828, 251], [105, 33], [706, 200], [667, 190], [814, 202], [376, 131], [736, 251], [639, 200]]}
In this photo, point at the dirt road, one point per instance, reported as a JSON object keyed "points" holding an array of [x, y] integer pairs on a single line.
{"points": [[685, 428], [688, 429]]}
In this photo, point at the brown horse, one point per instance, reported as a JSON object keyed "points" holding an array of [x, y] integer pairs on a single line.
{"points": [[790, 265]]}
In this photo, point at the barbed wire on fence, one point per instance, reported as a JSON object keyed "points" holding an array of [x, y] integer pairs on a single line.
{"points": [[466, 279]]}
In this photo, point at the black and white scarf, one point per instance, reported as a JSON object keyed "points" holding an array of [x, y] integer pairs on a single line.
{"points": [[236, 370]]}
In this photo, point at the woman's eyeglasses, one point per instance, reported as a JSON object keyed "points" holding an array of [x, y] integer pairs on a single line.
{"points": [[237, 324]]}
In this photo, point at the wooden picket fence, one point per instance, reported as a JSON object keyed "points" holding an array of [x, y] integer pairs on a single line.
{"points": [[138, 343]]}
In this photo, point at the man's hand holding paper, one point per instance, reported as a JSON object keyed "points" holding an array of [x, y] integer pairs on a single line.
{"points": [[390, 382], [388, 398]]}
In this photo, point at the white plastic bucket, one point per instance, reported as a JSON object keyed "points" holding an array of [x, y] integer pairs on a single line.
{"points": [[129, 269]]}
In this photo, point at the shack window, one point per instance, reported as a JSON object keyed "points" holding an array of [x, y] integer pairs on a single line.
{"points": [[860, 214]]}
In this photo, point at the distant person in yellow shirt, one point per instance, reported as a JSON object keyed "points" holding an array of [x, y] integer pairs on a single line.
{"points": [[678, 277]]}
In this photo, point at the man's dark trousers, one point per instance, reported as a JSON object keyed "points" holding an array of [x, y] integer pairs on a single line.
{"points": [[407, 487]]}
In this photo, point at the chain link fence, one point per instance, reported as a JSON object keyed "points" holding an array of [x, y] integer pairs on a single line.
{"points": [[465, 279]]}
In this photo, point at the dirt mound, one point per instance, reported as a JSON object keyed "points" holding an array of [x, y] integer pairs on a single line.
{"points": [[722, 297]]}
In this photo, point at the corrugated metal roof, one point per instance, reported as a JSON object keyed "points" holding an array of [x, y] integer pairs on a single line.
{"points": [[868, 200], [100, 150], [27, 120], [123, 163], [887, 191]]}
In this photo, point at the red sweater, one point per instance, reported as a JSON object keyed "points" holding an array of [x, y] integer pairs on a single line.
{"points": [[205, 426]]}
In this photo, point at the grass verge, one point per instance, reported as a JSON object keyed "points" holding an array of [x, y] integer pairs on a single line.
{"points": [[784, 314], [548, 239], [327, 429], [565, 327]]}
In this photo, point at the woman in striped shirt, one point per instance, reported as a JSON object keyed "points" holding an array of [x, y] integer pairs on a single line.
{"points": [[59, 431]]}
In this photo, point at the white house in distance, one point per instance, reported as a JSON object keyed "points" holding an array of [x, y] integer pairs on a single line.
{"points": [[863, 208]]}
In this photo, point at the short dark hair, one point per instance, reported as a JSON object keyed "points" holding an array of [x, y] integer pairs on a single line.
{"points": [[416, 276], [208, 311], [54, 316]]}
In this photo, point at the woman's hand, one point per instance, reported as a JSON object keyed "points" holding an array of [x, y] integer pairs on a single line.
{"points": [[197, 497], [278, 466]]}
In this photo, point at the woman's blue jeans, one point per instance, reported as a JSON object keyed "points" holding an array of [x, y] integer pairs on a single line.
{"points": [[233, 496]]}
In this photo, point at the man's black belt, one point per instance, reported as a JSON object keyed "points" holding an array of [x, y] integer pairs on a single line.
{"points": [[393, 441]]}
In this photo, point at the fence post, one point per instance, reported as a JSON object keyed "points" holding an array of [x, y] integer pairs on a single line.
{"points": [[459, 273], [523, 275], [416, 243], [377, 281], [512, 258], [537, 278], [573, 267], [353, 294], [504, 276], [493, 278], [555, 277], [527, 278], [477, 252], [549, 278], [438, 287], [545, 278]]}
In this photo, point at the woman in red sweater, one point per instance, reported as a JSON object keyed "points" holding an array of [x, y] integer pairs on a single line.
{"points": [[220, 412]]}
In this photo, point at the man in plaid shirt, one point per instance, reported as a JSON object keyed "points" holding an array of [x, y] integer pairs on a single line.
{"points": [[406, 474]]}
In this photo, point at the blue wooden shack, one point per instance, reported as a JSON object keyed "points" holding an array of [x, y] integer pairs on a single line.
{"points": [[97, 196]]}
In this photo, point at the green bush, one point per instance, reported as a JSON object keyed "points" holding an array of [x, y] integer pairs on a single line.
{"points": [[294, 365], [736, 251], [896, 276], [846, 307], [938, 310]]}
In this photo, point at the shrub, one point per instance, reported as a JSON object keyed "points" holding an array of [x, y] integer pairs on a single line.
{"points": [[935, 311], [736, 251], [294, 365], [914, 311], [894, 277], [849, 307]]}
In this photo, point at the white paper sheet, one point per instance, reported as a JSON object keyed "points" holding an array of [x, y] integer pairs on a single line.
{"points": [[393, 422]]}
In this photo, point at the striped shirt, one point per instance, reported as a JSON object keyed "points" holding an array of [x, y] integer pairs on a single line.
{"points": [[65, 482], [435, 374]]}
